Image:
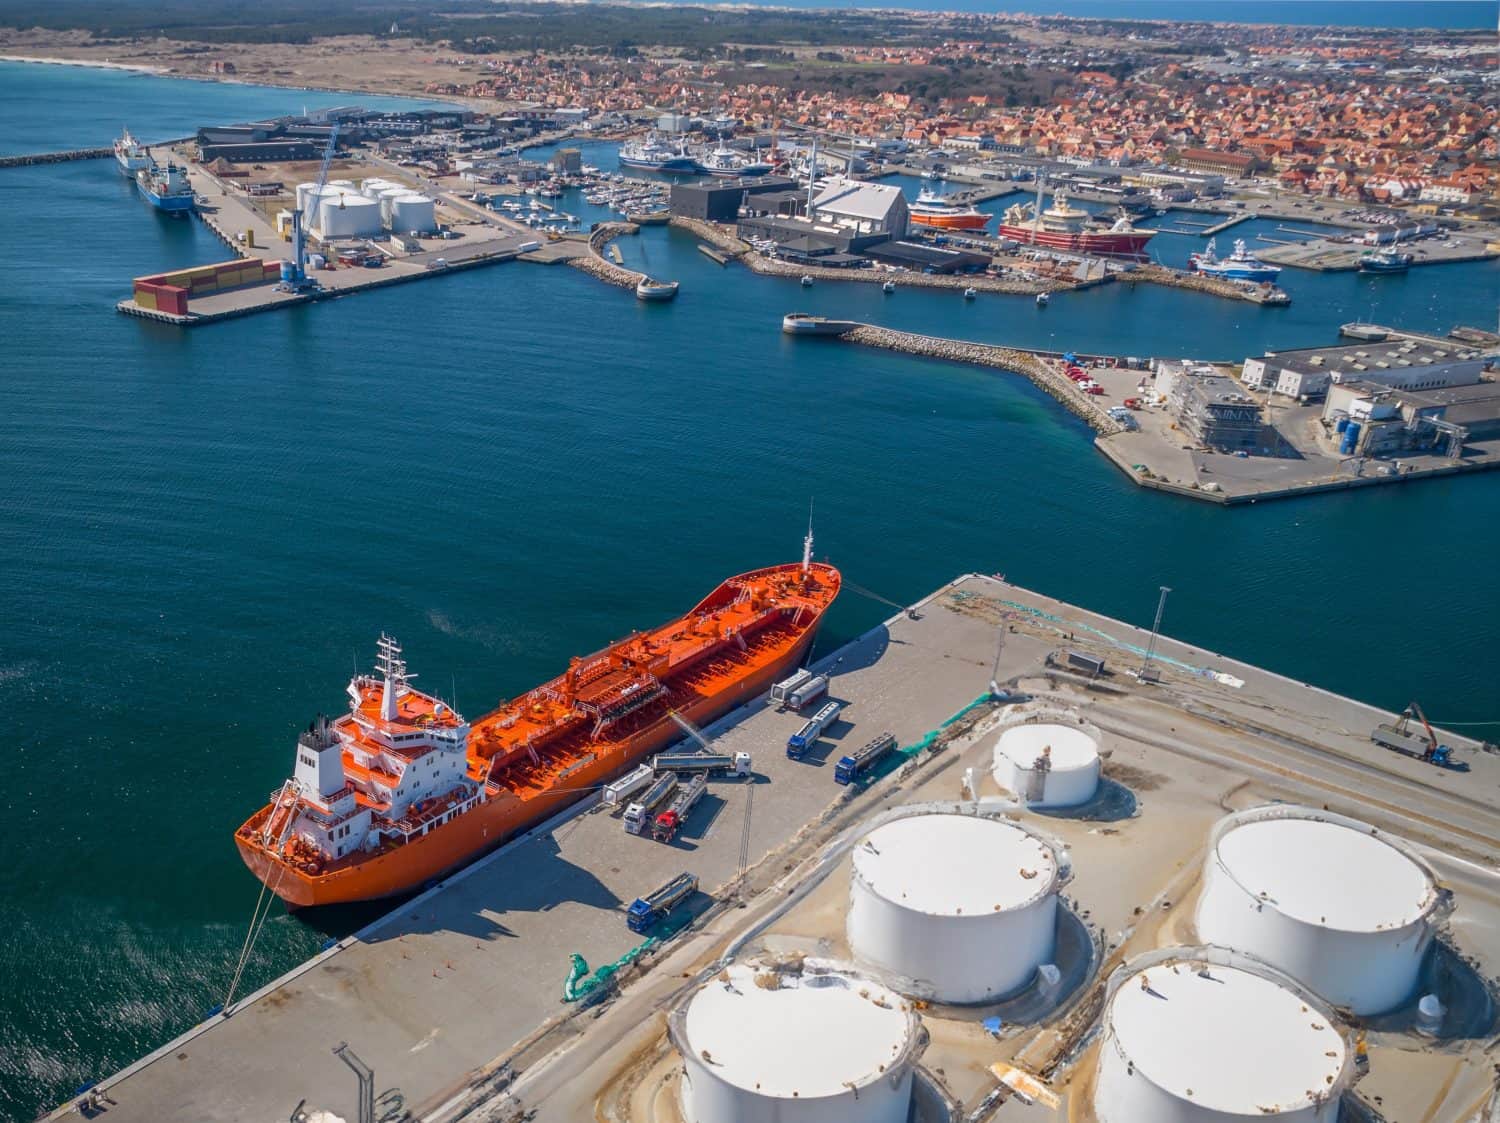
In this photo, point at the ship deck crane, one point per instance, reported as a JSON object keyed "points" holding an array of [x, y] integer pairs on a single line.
{"points": [[299, 281]]}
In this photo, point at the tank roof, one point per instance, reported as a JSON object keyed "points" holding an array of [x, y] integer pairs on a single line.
{"points": [[1071, 747], [1226, 1039], [807, 1035], [1327, 874], [955, 865]]}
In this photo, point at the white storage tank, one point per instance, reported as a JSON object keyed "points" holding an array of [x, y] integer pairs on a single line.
{"points": [[347, 216], [372, 187], [413, 214], [388, 196], [798, 1044], [305, 192], [1331, 901], [956, 908], [1049, 760], [1204, 1035]]}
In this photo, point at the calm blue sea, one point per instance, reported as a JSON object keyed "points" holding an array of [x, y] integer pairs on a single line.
{"points": [[202, 532]]}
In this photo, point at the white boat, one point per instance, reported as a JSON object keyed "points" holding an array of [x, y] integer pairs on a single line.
{"points": [[970, 293], [889, 286], [130, 155], [648, 289], [1043, 299], [806, 281], [1241, 265]]}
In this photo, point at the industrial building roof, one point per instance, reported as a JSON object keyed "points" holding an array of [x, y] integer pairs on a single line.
{"points": [[858, 199], [803, 1036], [955, 865], [1228, 1040], [1327, 875], [1385, 355]]}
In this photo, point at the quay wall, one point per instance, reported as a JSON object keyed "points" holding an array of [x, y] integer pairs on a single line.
{"points": [[1040, 371], [1159, 275]]}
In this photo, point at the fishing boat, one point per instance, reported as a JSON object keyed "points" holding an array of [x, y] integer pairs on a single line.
{"points": [[1241, 265], [130, 155], [165, 187], [648, 289], [1385, 261], [970, 293], [654, 155], [401, 789], [1064, 227], [807, 281], [934, 209], [888, 287], [725, 162], [1043, 299]]}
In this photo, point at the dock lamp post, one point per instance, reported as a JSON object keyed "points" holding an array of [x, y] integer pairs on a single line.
{"points": [[1145, 673]]}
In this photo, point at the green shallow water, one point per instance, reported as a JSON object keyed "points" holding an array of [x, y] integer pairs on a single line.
{"points": [[201, 534]]}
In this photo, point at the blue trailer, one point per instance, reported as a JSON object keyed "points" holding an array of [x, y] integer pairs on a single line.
{"points": [[802, 740], [856, 765], [646, 911]]}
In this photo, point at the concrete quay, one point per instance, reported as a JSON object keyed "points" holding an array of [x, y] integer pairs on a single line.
{"points": [[1324, 256], [452, 996]]}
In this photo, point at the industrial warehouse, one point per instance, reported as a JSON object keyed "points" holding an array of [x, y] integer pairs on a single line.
{"points": [[998, 859]]}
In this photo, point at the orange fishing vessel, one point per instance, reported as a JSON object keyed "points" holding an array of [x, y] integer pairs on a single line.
{"points": [[401, 789]]}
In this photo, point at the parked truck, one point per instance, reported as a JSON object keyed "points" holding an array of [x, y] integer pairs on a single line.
{"points": [[670, 821], [811, 690], [654, 906], [852, 767], [639, 815], [709, 763], [802, 740], [1401, 737], [626, 786], [783, 689]]}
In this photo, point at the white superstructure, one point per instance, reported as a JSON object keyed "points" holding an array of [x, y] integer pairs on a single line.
{"points": [[1331, 901], [810, 1043], [1204, 1035], [956, 908], [1049, 759]]}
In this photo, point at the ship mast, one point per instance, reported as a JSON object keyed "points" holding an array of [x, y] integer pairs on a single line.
{"points": [[392, 667], [807, 543]]}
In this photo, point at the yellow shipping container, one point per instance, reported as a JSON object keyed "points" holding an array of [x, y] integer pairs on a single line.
{"points": [[145, 299]]}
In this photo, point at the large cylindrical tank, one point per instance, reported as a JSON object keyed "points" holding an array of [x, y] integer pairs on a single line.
{"points": [[388, 196], [1331, 901], [1049, 760], [348, 216], [955, 908], [372, 187], [795, 1044], [305, 192], [1205, 1035], [412, 214]]}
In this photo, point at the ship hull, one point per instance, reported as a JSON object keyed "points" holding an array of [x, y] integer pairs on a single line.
{"points": [[952, 221], [665, 167], [502, 816], [167, 204], [1108, 243], [130, 165]]}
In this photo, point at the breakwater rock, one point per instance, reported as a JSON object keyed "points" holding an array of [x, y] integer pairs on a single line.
{"points": [[594, 262], [1045, 373]]}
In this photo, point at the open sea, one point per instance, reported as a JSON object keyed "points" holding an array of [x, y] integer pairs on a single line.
{"points": [[202, 533]]}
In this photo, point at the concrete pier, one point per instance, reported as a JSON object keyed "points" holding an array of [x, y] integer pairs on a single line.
{"points": [[451, 996]]}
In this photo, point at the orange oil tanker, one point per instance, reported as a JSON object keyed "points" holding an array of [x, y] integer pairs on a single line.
{"points": [[400, 790]]}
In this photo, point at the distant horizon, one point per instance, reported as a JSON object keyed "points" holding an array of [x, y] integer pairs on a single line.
{"points": [[1444, 15]]}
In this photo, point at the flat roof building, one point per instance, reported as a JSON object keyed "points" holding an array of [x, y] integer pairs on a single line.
{"points": [[1402, 364], [1216, 413]]}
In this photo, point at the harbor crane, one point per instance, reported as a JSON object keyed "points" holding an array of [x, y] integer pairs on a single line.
{"points": [[299, 281]]}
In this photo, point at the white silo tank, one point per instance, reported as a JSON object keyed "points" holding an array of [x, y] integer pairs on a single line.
{"points": [[956, 908], [1331, 901], [305, 192], [1049, 760], [1204, 1035], [348, 216], [388, 196], [412, 213], [762, 1044], [372, 187]]}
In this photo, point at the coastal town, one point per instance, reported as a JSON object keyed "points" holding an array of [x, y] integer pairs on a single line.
{"points": [[880, 508]]}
